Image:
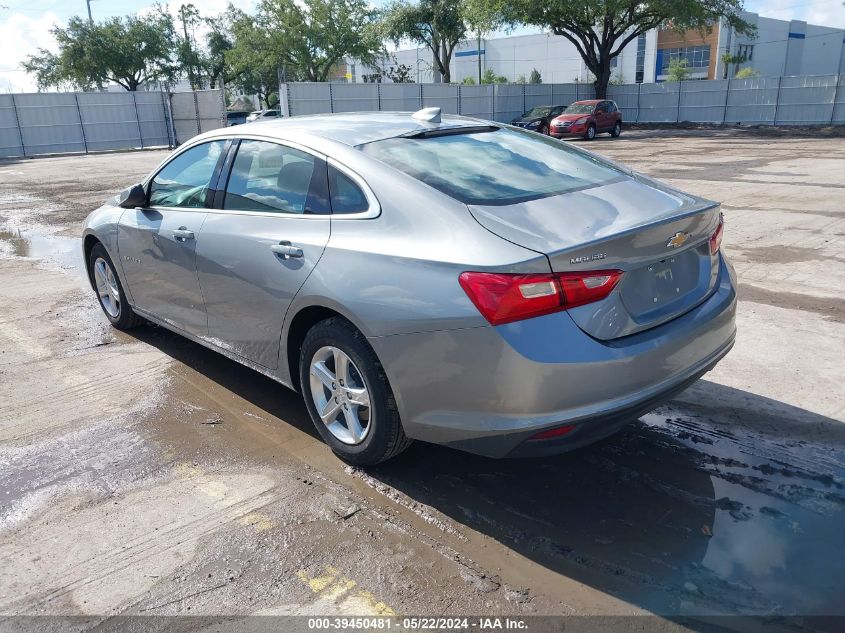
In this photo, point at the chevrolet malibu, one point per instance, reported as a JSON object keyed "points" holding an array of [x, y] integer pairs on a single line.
{"points": [[425, 277]]}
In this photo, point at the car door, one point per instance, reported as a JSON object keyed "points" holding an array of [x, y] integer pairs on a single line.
{"points": [[601, 116], [268, 230], [157, 242]]}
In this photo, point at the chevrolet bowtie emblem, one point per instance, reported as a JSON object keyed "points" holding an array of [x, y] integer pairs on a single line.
{"points": [[678, 239]]}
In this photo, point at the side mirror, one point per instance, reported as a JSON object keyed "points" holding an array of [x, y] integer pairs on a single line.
{"points": [[134, 196]]}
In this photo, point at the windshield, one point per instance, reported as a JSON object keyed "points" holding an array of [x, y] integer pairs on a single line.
{"points": [[493, 167], [580, 108], [538, 112]]}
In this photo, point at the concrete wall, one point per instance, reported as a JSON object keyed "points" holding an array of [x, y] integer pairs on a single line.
{"points": [[40, 123], [758, 100]]}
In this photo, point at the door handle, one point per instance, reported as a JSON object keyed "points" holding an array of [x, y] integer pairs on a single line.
{"points": [[182, 234], [285, 249]]}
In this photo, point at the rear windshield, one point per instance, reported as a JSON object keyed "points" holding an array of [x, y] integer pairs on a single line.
{"points": [[495, 167], [580, 108]]}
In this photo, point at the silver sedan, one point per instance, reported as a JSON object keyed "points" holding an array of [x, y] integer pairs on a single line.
{"points": [[418, 276]]}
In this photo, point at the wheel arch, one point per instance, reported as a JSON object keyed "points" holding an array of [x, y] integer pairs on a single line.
{"points": [[108, 240], [297, 327], [89, 241]]}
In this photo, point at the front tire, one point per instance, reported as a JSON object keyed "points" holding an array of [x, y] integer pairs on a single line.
{"points": [[591, 132], [348, 396], [109, 290]]}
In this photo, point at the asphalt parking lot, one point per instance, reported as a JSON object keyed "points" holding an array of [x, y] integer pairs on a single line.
{"points": [[143, 474]]}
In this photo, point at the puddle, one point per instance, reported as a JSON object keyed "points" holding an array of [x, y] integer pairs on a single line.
{"points": [[64, 252], [673, 515], [779, 514]]}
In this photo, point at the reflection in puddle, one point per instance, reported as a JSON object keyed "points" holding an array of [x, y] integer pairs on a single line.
{"points": [[63, 251], [20, 245], [673, 514], [778, 519]]}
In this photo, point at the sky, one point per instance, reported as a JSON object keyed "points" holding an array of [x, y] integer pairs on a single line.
{"points": [[25, 24]]}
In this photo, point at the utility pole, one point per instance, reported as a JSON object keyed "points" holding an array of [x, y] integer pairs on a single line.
{"points": [[90, 19], [478, 54]]}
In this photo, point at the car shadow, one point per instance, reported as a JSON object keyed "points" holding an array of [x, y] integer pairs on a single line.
{"points": [[690, 510]]}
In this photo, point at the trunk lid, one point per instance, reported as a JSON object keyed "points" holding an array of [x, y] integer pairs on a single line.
{"points": [[657, 235]]}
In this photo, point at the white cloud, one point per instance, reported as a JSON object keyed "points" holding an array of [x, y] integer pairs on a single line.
{"points": [[819, 12], [21, 36]]}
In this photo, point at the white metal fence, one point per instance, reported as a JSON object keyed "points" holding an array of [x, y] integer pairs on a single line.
{"points": [[803, 100], [64, 122]]}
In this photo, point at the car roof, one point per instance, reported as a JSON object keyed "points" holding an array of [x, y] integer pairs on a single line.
{"points": [[588, 101], [353, 128]]}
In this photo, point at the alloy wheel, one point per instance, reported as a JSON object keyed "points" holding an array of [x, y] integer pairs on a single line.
{"points": [[107, 288], [340, 395]]}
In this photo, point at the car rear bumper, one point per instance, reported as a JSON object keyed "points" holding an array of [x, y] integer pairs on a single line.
{"points": [[488, 390]]}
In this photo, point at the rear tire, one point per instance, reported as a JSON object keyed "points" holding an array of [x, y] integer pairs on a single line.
{"points": [[360, 435], [591, 132], [110, 295], [617, 130]]}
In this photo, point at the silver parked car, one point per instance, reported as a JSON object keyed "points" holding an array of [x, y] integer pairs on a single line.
{"points": [[258, 115], [415, 277]]}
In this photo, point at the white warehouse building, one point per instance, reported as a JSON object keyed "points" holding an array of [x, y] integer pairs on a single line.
{"points": [[779, 47]]}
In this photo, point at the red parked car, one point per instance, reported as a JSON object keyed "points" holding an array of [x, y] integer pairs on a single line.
{"points": [[588, 118]]}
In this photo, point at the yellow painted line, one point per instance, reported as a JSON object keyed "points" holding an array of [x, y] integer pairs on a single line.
{"points": [[335, 592], [224, 495]]}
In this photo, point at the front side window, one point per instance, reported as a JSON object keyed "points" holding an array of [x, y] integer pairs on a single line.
{"points": [[274, 178], [499, 166], [185, 180]]}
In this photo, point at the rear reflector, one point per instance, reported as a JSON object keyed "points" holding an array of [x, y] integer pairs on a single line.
{"points": [[716, 238], [552, 433], [506, 297]]}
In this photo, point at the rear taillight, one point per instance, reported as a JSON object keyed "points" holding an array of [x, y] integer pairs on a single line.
{"points": [[716, 238], [506, 297]]}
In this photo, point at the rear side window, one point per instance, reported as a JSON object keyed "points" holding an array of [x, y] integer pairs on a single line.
{"points": [[184, 181], [346, 196], [493, 167], [275, 178]]}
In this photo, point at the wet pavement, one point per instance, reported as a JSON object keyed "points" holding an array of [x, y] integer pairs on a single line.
{"points": [[144, 474]]}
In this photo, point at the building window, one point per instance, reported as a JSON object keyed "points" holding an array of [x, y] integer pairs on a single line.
{"points": [[746, 51], [698, 57], [640, 59]]}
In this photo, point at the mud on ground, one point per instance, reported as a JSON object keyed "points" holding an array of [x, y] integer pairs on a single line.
{"points": [[143, 474]]}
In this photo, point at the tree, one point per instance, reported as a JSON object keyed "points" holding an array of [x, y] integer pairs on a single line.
{"points": [[490, 77], [601, 29], [219, 40], [747, 73], [535, 77], [312, 37], [253, 60], [400, 73], [186, 49], [440, 25], [728, 59], [128, 51], [678, 70]]}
